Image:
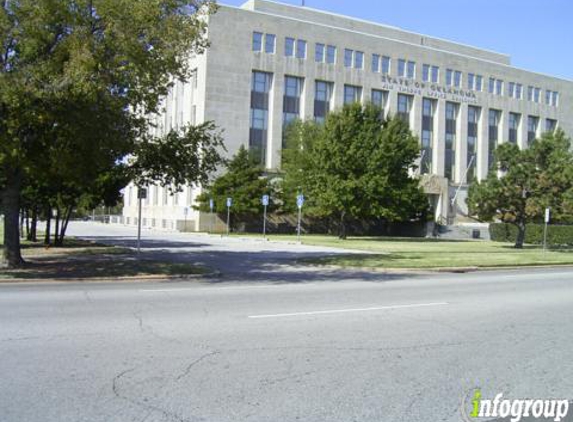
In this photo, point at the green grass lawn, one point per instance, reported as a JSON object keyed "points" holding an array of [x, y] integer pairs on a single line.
{"points": [[386, 252]]}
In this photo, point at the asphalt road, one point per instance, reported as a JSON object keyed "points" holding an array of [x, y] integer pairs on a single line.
{"points": [[352, 347]]}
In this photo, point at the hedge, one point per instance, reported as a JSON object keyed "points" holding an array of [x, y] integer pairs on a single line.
{"points": [[557, 235]]}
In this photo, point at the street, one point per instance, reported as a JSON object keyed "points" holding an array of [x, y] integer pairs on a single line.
{"points": [[341, 346]]}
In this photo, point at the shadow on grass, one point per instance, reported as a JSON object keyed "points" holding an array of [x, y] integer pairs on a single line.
{"points": [[97, 267]]}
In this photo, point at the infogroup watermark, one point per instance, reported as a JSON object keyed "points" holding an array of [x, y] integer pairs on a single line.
{"points": [[514, 410]]}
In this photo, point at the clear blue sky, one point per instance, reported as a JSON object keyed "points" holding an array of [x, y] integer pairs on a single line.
{"points": [[538, 35]]}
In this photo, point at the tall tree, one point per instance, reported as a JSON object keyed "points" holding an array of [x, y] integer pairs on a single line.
{"points": [[528, 181], [244, 182], [355, 167], [105, 62]]}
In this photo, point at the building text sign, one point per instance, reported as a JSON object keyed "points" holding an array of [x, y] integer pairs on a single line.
{"points": [[430, 90]]}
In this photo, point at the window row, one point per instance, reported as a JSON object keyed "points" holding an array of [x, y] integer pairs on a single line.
{"points": [[406, 68], [323, 95]]}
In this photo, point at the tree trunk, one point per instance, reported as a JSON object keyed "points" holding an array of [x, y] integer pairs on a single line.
{"points": [[342, 226], [65, 222], [47, 237], [34, 225], [12, 255], [57, 228], [520, 235], [28, 224]]}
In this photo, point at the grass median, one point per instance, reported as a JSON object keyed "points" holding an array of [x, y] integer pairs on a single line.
{"points": [[420, 253], [80, 259]]}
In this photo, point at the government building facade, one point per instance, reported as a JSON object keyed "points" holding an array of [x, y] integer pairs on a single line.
{"points": [[269, 63]]}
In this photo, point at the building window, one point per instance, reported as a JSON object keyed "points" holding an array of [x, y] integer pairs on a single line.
{"points": [[331, 54], [550, 125], [499, 87], [358, 59], [322, 98], [511, 89], [261, 86], [533, 94], [379, 98], [428, 111], [479, 82], [494, 117], [257, 41], [385, 65], [404, 106], [536, 94], [289, 47], [473, 122], [514, 119], [532, 125], [491, 86], [375, 63], [348, 57], [449, 77], [451, 129], [518, 91], [291, 99], [352, 94], [402, 68], [551, 98], [426, 72], [270, 42], [301, 49], [435, 70], [453, 78], [411, 70], [319, 53], [471, 80], [458, 79]]}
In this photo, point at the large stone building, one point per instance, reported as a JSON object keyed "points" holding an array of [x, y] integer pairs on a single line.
{"points": [[269, 63]]}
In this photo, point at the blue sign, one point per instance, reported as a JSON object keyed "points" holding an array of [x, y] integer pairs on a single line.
{"points": [[265, 200], [229, 202], [300, 200], [211, 204]]}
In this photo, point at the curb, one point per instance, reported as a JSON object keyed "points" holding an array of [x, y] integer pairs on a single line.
{"points": [[123, 279]]}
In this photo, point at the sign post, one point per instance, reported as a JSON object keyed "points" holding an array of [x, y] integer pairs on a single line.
{"points": [[265, 202], [141, 195], [547, 218], [299, 204], [211, 207], [185, 214], [229, 203]]}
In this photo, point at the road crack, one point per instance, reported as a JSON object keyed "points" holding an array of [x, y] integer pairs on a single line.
{"points": [[192, 364]]}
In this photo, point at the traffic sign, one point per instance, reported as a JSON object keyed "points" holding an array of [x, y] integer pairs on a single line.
{"points": [[142, 193], [229, 202], [547, 214], [211, 204], [265, 200], [300, 200]]}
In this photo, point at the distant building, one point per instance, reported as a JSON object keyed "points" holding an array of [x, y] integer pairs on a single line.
{"points": [[270, 63]]}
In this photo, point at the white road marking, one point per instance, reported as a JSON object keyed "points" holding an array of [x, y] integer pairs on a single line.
{"points": [[339, 311]]}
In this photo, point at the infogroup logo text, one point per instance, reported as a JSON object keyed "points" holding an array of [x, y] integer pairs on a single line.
{"points": [[516, 409]]}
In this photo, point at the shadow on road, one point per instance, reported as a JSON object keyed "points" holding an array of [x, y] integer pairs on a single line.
{"points": [[235, 262]]}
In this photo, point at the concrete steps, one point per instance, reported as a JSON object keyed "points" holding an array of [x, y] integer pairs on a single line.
{"points": [[464, 231]]}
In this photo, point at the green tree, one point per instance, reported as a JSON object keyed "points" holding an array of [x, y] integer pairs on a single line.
{"points": [[244, 182], [355, 167], [106, 63], [529, 181]]}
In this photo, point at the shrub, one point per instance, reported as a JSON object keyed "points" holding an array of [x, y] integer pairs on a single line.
{"points": [[557, 235]]}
